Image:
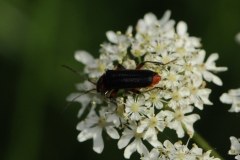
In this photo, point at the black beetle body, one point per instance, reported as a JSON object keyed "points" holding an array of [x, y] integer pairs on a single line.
{"points": [[126, 79]]}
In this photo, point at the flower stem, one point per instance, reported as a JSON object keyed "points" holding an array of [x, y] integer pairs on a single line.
{"points": [[205, 145], [139, 60]]}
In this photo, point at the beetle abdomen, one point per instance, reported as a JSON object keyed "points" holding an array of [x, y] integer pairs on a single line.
{"points": [[121, 79]]}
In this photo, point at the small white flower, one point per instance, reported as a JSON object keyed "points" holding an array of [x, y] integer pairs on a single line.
{"points": [[235, 146], [94, 67], [135, 107], [92, 127], [117, 116], [150, 28], [150, 123], [153, 98], [138, 50], [198, 95], [175, 120], [116, 38], [167, 56], [129, 64], [209, 65], [179, 97], [153, 155], [137, 144], [178, 151], [84, 98], [232, 97], [206, 156], [184, 42], [172, 78], [115, 52]]}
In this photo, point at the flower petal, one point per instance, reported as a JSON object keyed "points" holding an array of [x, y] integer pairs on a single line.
{"points": [[130, 149], [150, 19], [112, 37], [234, 92], [165, 17], [213, 57], [141, 148], [98, 144], [226, 98], [86, 134], [83, 57], [155, 143], [112, 132], [181, 28], [237, 38], [124, 140]]}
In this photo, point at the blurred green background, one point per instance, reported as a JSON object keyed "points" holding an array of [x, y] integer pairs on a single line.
{"points": [[37, 37]]}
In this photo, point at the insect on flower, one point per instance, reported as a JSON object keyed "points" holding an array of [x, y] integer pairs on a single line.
{"points": [[121, 78]]}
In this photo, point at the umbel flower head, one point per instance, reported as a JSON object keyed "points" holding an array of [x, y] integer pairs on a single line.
{"points": [[137, 116]]}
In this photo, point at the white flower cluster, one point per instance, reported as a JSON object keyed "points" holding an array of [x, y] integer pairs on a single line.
{"points": [[235, 147], [178, 152], [140, 118]]}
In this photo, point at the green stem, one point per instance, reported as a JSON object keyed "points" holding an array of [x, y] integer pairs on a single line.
{"points": [[139, 60], [205, 145]]}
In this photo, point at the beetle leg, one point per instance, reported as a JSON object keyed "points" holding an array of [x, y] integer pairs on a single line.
{"points": [[134, 90], [120, 67], [160, 88], [113, 93]]}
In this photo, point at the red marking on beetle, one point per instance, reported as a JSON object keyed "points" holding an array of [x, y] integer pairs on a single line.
{"points": [[156, 79]]}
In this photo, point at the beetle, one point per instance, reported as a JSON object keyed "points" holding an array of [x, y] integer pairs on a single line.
{"points": [[128, 79], [121, 78]]}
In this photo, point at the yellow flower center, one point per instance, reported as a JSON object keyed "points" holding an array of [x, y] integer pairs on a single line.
{"points": [[172, 77], [138, 53], [181, 156], [193, 90], [135, 107], [188, 67], [176, 96], [202, 67], [102, 121], [181, 50], [101, 68], [146, 37], [123, 53], [138, 135], [238, 105], [153, 98], [179, 115], [153, 122], [159, 47], [165, 59]]}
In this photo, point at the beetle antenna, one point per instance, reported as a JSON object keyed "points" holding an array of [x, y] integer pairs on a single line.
{"points": [[76, 98], [171, 61], [78, 73]]}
